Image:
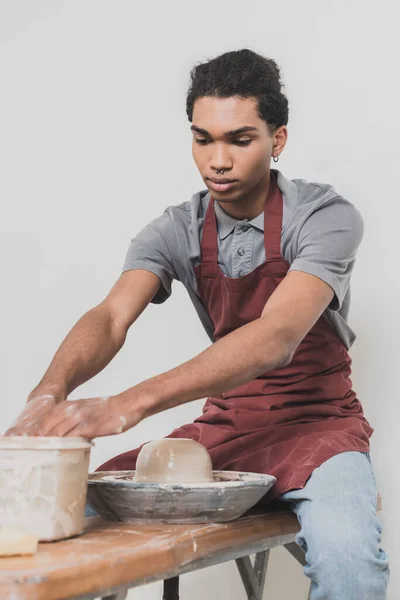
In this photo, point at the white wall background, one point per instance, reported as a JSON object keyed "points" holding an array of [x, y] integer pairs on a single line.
{"points": [[94, 143]]}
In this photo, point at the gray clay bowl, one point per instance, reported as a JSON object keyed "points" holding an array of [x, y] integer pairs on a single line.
{"points": [[230, 495]]}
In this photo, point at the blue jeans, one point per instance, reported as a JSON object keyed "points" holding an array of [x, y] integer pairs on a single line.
{"points": [[340, 531]]}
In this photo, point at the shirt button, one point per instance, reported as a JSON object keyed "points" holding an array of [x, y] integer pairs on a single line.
{"points": [[241, 273], [245, 227], [241, 251]]}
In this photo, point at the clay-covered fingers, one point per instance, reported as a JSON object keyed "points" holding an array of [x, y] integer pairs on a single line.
{"points": [[90, 418], [63, 418], [35, 413]]}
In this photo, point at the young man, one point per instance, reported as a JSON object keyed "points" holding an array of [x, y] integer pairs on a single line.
{"points": [[267, 264]]}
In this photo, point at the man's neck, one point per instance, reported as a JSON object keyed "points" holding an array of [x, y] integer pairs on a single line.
{"points": [[251, 205]]}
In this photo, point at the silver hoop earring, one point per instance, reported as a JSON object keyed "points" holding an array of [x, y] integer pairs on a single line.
{"points": [[275, 158]]}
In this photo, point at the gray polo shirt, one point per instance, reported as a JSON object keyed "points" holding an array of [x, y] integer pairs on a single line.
{"points": [[321, 232]]}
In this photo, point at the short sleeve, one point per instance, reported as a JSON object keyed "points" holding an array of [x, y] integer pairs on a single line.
{"points": [[150, 251], [327, 245]]}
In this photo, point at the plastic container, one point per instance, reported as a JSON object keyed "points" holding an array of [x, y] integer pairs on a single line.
{"points": [[43, 485]]}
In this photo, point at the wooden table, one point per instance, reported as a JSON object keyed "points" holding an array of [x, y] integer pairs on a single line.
{"points": [[110, 557]]}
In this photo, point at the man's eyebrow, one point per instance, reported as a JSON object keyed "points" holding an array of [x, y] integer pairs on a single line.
{"points": [[227, 134]]}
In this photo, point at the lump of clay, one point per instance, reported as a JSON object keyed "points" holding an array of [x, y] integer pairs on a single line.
{"points": [[14, 542], [173, 460]]}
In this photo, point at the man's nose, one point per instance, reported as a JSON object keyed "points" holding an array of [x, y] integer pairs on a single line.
{"points": [[220, 158]]}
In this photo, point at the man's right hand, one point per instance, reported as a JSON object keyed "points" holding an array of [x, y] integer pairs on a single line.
{"points": [[35, 412]]}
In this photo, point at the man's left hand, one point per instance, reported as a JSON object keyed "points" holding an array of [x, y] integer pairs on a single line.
{"points": [[90, 418]]}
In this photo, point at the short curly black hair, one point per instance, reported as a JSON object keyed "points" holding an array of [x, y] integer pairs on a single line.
{"points": [[245, 74]]}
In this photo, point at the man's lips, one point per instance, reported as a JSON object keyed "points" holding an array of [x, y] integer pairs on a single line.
{"points": [[220, 180], [221, 184]]}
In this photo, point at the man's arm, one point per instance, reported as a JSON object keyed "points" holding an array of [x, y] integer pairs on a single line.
{"points": [[253, 349], [97, 337], [249, 351], [94, 341]]}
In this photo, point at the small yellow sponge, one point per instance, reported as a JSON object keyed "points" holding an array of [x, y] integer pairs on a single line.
{"points": [[14, 542]]}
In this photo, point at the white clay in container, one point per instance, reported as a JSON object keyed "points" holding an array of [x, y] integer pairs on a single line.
{"points": [[173, 460], [43, 485]]}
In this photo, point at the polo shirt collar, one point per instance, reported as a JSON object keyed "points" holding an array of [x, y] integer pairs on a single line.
{"points": [[226, 223]]}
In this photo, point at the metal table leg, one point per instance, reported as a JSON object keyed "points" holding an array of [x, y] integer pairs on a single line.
{"points": [[296, 552], [253, 578], [260, 569], [299, 555], [171, 589]]}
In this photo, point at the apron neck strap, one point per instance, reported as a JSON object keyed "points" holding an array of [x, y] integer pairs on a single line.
{"points": [[273, 216], [209, 241]]}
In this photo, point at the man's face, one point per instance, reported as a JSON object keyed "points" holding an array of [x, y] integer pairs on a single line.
{"points": [[217, 144]]}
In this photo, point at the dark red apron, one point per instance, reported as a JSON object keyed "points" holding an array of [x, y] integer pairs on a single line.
{"points": [[291, 419]]}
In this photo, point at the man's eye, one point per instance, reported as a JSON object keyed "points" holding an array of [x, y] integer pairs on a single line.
{"points": [[201, 141], [242, 142]]}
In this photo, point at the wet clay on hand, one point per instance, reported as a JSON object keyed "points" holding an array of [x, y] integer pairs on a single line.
{"points": [[170, 460], [34, 413]]}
